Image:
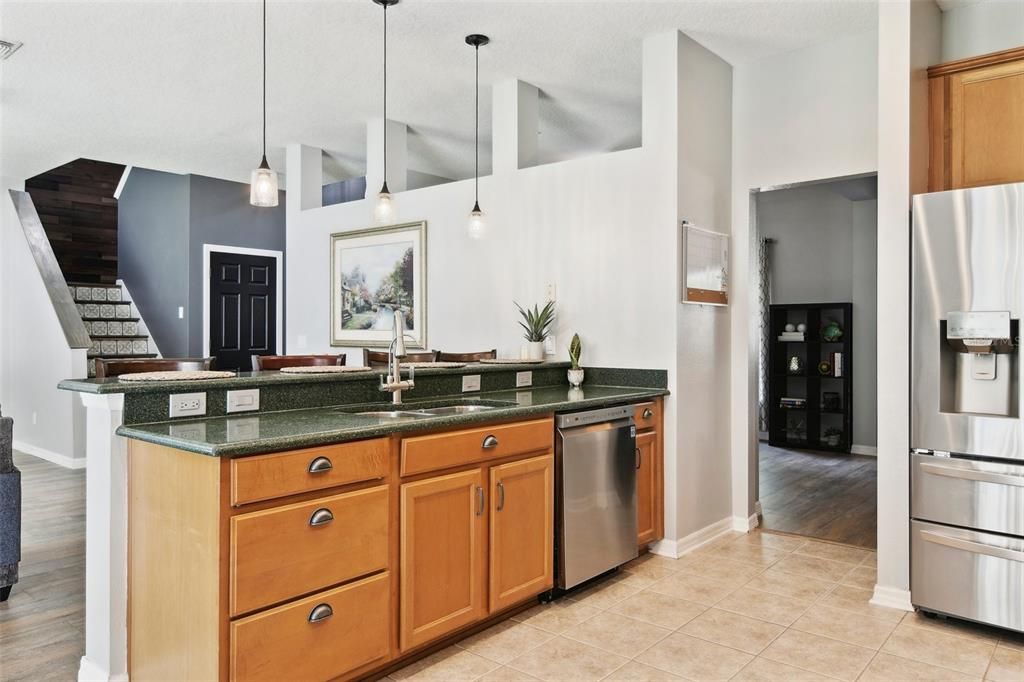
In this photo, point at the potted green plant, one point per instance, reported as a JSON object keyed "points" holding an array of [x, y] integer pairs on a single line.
{"points": [[536, 324], [575, 371]]}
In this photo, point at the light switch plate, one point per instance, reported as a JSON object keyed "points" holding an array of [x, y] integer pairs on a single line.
{"points": [[187, 405], [245, 400], [524, 398], [524, 379], [470, 382]]}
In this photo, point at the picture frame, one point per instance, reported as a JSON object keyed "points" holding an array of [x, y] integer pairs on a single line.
{"points": [[705, 266], [372, 272]]}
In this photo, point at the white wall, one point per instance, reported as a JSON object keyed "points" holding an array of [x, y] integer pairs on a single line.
{"points": [[909, 39], [603, 230], [804, 115], [983, 27]]}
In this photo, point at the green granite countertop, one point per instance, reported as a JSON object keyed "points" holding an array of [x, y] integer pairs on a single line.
{"points": [[275, 378], [257, 433]]}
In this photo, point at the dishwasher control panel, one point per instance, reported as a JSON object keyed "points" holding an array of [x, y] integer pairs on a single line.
{"points": [[573, 419]]}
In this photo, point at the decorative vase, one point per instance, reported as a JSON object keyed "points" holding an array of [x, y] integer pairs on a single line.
{"points": [[575, 377], [535, 350]]}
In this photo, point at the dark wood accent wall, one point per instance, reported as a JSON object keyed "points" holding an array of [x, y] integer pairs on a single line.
{"points": [[76, 205]]}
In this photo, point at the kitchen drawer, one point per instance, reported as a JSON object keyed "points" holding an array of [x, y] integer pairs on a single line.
{"points": [[284, 552], [291, 643], [646, 415], [968, 493], [265, 477], [444, 450], [963, 573]]}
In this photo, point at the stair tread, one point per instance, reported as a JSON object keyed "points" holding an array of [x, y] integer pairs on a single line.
{"points": [[110, 319], [94, 285], [115, 356], [101, 302], [136, 337]]}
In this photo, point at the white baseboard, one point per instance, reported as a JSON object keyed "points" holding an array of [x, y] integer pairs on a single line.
{"points": [[745, 525], [677, 548], [892, 597], [63, 460], [864, 450], [91, 672]]}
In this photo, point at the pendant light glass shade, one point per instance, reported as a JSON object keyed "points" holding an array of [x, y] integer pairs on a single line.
{"points": [[263, 181], [477, 227], [384, 209], [263, 186]]}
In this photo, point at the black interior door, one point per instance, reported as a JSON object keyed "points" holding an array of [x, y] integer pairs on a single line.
{"points": [[243, 308]]}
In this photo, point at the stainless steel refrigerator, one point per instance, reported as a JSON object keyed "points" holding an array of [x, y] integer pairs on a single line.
{"points": [[967, 432]]}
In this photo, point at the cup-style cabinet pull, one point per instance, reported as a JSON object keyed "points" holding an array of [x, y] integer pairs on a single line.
{"points": [[647, 413], [320, 465], [321, 517], [320, 612], [501, 495], [479, 501], [490, 442]]}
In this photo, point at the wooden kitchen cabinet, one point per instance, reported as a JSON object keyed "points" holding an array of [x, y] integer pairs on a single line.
{"points": [[443, 556], [976, 121], [521, 530], [650, 478]]}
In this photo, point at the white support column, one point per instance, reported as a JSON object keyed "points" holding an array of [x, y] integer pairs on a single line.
{"points": [[514, 125], [398, 156], [106, 542], [304, 178]]}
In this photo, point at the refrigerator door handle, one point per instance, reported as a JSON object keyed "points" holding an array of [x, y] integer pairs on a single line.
{"points": [[973, 475], [973, 547]]}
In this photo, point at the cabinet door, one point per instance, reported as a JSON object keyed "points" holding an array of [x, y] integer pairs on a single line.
{"points": [[648, 491], [987, 125], [522, 530], [443, 556]]}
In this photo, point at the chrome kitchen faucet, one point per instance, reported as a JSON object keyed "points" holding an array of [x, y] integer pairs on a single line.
{"points": [[392, 381]]}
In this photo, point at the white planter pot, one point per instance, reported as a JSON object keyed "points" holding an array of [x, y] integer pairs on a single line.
{"points": [[535, 350], [575, 377]]}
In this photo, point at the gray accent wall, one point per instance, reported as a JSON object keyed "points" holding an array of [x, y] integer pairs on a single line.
{"points": [[825, 252], [164, 219], [220, 213], [153, 254]]}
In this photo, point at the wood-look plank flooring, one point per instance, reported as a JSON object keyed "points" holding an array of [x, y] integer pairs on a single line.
{"points": [[42, 625], [823, 495]]}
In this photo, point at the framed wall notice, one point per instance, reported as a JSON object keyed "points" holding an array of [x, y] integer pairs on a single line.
{"points": [[705, 271]]}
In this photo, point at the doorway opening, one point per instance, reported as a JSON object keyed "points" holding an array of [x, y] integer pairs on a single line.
{"points": [[816, 311]]}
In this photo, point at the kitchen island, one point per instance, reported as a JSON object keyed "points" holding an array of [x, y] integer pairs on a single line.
{"points": [[260, 538]]}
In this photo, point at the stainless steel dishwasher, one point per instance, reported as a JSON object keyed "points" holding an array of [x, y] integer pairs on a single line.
{"points": [[595, 493]]}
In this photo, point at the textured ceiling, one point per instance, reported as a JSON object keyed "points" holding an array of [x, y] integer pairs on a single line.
{"points": [[175, 85]]}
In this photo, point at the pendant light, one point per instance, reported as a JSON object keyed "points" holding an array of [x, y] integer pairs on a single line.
{"points": [[384, 210], [263, 181], [477, 226]]}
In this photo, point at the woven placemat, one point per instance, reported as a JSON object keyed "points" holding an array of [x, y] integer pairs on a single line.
{"points": [[177, 375], [509, 361], [436, 365], [323, 369]]}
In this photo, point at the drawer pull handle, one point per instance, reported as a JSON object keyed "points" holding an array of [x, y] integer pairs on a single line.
{"points": [[974, 475], [639, 458], [647, 413], [320, 612], [321, 517], [972, 547], [501, 495], [479, 501], [490, 443], [320, 465]]}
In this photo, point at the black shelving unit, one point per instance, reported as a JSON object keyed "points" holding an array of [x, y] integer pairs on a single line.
{"points": [[805, 427]]}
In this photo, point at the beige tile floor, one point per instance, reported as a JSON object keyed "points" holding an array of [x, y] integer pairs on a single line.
{"points": [[754, 606]]}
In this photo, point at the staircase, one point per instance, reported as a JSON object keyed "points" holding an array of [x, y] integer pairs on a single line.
{"points": [[113, 323]]}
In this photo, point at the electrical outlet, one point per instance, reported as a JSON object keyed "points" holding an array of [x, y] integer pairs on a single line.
{"points": [[550, 291], [246, 400], [181, 312], [35, 419], [549, 345], [188, 405], [470, 382], [524, 379]]}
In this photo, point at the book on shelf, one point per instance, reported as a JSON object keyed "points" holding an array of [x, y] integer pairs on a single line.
{"points": [[837, 364], [791, 336], [793, 402]]}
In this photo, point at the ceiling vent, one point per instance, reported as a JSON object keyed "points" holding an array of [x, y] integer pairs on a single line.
{"points": [[7, 48]]}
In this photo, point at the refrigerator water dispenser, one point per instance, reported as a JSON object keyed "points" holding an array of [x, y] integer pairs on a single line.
{"points": [[979, 363]]}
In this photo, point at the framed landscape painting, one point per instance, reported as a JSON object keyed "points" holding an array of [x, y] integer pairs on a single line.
{"points": [[373, 273]]}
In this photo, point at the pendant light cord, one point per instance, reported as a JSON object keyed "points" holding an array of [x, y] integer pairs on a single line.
{"points": [[264, 80], [476, 171], [385, 94]]}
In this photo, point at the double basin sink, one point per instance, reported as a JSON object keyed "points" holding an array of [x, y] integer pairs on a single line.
{"points": [[413, 411]]}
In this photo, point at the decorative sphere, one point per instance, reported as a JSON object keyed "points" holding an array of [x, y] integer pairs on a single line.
{"points": [[790, 328], [801, 327]]}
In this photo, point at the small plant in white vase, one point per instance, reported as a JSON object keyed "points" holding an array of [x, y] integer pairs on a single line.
{"points": [[575, 351], [536, 324]]}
